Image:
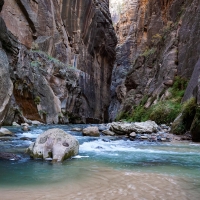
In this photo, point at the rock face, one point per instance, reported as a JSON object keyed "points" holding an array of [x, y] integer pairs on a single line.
{"points": [[61, 56], [6, 86], [54, 144], [158, 40]]}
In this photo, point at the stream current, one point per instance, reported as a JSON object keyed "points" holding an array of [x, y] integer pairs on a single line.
{"points": [[106, 168]]}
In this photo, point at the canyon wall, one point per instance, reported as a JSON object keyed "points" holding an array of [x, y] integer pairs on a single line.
{"points": [[157, 42], [60, 56]]}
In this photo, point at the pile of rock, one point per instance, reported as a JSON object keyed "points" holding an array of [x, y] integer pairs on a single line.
{"points": [[148, 131], [27, 125], [153, 137]]}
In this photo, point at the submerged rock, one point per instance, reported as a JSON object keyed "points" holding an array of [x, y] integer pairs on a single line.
{"points": [[25, 128], [123, 128], [54, 144], [9, 156], [36, 123], [132, 135], [103, 127], [91, 131], [5, 132]]}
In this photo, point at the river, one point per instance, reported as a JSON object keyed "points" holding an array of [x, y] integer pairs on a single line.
{"points": [[106, 168]]}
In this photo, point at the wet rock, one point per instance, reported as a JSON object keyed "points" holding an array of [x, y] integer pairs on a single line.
{"points": [[144, 137], [138, 127], [24, 124], [133, 134], [5, 132], [15, 124], [103, 127], [9, 156], [54, 144], [108, 132], [36, 123], [91, 131], [25, 138], [153, 138], [106, 140], [25, 128], [6, 138], [77, 129]]}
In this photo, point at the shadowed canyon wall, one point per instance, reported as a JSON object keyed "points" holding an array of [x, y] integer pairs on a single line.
{"points": [[60, 56], [157, 41]]}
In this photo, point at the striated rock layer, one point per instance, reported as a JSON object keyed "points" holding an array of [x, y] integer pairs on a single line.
{"points": [[61, 56], [157, 41]]}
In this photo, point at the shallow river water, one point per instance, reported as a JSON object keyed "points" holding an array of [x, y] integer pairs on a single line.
{"points": [[106, 168]]}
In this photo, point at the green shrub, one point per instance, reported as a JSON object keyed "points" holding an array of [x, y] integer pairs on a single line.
{"points": [[37, 100], [184, 121], [148, 52], [122, 115], [165, 112], [35, 63], [42, 112]]}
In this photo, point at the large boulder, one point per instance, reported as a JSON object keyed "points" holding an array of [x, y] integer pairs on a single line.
{"points": [[123, 128], [91, 131], [54, 144]]}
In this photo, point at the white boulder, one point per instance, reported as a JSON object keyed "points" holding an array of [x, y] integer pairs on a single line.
{"points": [[122, 128], [54, 144]]}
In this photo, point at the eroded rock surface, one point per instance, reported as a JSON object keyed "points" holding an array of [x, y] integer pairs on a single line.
{"points": [[61, 56], [54, 144], [123, 128], [158, 41]]}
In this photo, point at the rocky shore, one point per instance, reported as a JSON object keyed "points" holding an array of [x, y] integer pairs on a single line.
{"points": [[137, 131]]}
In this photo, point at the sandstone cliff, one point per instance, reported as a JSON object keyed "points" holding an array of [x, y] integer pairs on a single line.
{"points": [[60, 57], [158, 41]]}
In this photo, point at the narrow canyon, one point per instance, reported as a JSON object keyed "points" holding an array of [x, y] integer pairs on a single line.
{"points": [[96, 61]]}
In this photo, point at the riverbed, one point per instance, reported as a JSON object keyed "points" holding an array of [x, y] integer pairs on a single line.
{"points": [[106, 168]]}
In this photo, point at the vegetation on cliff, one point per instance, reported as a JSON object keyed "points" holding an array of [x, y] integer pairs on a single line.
{"points": [[162, 111]]}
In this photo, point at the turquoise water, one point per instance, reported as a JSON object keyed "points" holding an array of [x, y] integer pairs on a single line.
{"points": [[173, 159]]}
